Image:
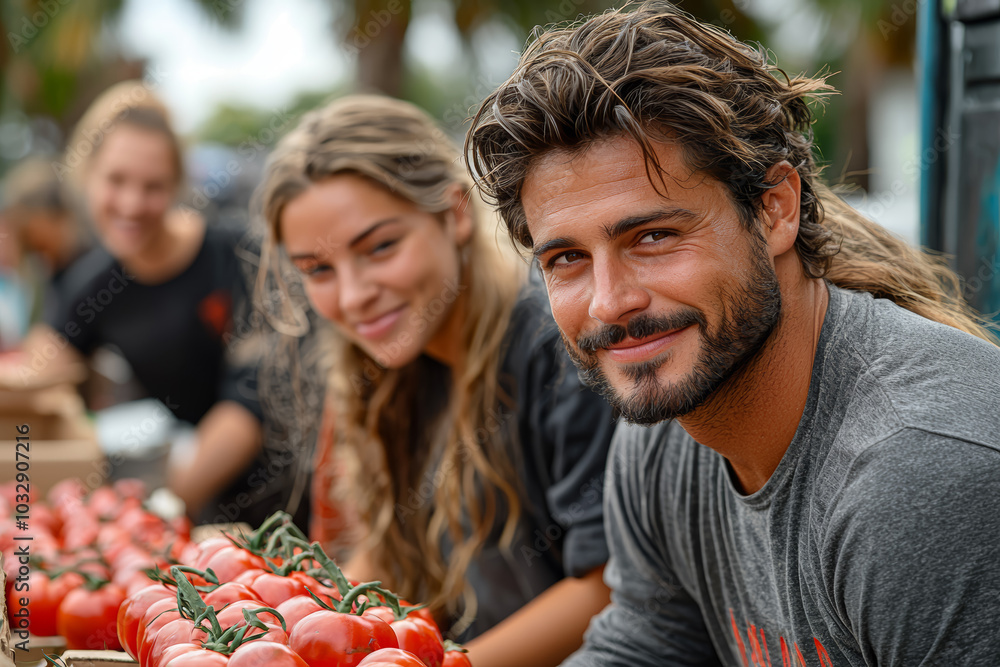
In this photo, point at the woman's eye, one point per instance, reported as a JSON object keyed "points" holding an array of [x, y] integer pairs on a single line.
{"points": [[567, 258], [383, 246], [312, 268], [653, 237]]}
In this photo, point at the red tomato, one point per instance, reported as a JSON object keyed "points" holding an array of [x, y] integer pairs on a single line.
{"points": [[89, 619], [229, 562], [246, 578], [208, 548], [189, 554], [389, 657], [275, 589], [144, 526], [81, 532], [181, 527], [295, 609], [414, 635], [132, 611], [456, 658], [233, 613], [273, 634], [157, 615], [130, 488], [198, 658], [175, 632], [135, 582], [317, 587], [67, 491], [43, 518], [264, 654], [333, 639], [421, 639], [104, 502], [172, 652], [230, 592]]}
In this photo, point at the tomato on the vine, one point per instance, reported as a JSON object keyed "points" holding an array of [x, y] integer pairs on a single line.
{"points": [[414, 634], [274, 589], [175, 632], [228, 593], [335, 639], [199, 657], [391, 657], [229, 562], [265, 654], [156, 616], [295, 609], [131, 612]]}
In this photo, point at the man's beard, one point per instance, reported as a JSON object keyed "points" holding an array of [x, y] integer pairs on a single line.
{"points": [[749, 317]]}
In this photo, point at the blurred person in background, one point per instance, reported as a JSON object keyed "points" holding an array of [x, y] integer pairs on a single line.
{"points": [[471, 455], [41, 215], [162, 288], [15, 299]]}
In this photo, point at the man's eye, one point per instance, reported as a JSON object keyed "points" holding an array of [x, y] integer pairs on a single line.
{"points": [[654, 236], [566, 258]]}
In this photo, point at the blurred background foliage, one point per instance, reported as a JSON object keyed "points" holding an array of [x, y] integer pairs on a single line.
{"points": [[61, 53]]}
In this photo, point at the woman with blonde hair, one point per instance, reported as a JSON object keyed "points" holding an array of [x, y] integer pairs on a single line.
{"points": [[478, 457], [162, 289]]}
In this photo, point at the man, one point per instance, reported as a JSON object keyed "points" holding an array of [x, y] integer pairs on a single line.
{"points": [[821, 481]]}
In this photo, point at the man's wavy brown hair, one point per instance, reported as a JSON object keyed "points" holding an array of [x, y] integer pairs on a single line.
{"points": [[656, 74]]}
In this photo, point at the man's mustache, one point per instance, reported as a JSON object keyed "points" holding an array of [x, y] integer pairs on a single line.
{"points": [[639, 326]]}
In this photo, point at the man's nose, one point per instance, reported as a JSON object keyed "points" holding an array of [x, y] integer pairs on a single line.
{"points": [[617, 294]]}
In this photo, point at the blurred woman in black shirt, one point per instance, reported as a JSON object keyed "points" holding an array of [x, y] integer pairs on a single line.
{"points": [[162, 289]]}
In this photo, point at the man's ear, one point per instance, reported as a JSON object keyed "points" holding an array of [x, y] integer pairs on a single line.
{"points": [[780, 208], [460, 210]]}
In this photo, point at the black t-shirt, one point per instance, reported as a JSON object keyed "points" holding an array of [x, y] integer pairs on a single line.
{"points": [[175, 335], [563, 432]]}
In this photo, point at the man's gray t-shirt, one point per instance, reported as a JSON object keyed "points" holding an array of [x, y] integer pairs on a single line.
{"points": [[875, 541]]}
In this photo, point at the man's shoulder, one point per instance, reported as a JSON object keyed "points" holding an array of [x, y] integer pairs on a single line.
{"points": [[920, 374], [915, 484]]}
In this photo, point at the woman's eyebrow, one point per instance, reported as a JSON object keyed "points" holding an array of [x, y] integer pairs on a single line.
{"points": [[361, 237]]}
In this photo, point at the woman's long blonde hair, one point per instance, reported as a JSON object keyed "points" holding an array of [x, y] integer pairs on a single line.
{"points": [[462, 454]]}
